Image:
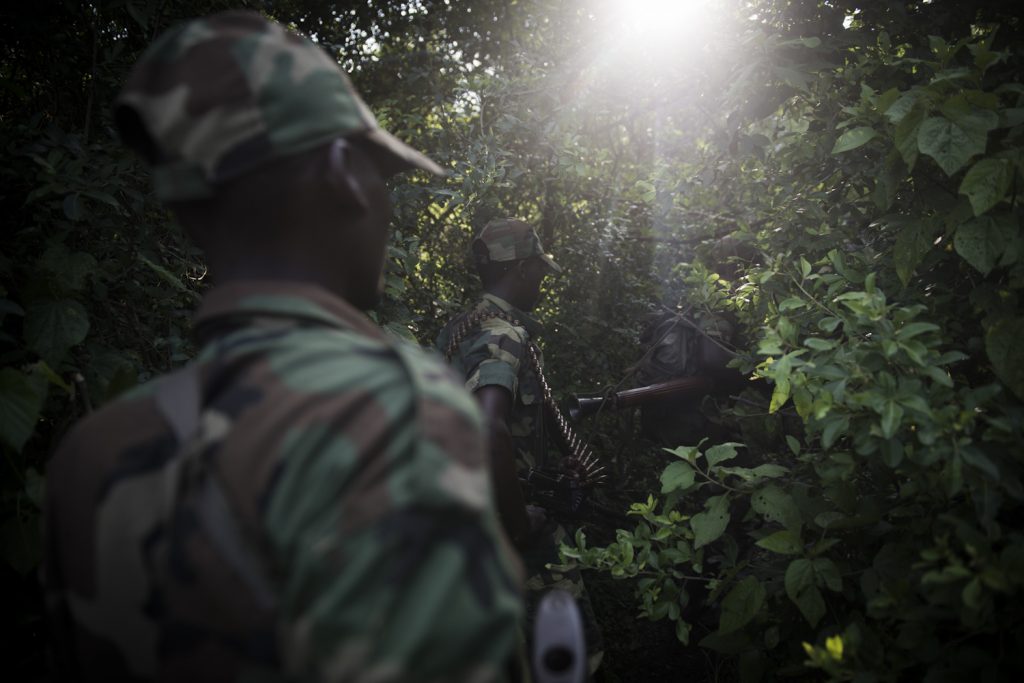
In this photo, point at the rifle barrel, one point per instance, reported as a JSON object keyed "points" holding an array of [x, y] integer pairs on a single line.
{"points": [[581, 406]]}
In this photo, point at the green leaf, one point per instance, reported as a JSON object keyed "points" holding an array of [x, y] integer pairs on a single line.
{"points": [[793, 443], [852, 139], [721, 453], [826, 572], [952, 144], [687, 453], [1006, 352], [835, 426], [987, 183], [677, 476], [741, 605], [913, 329], [768, 471], [165, 275], [53, 327], [709, 525], [775, 505], [982, 242], [892, 414], [912, 243], [683, 631], [783, 542], [906, 133], [21, 400], [780, 395], [73, 207], [803, 591], [818, 344]]}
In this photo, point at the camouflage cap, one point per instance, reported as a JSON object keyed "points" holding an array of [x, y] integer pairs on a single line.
{"points": [[510, 239], [214, 98]]}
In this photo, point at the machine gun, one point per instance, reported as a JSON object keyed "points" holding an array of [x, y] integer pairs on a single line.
{"points": [[697, 385]]}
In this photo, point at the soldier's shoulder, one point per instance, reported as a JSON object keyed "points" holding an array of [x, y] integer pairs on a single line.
{"points": [[433, 380]]}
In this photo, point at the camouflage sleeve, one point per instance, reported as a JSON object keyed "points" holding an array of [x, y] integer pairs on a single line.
{"points": [[495, 356], [395, 567]]}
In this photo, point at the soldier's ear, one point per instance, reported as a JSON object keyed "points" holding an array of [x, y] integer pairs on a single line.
{"points": [[345, 164]]}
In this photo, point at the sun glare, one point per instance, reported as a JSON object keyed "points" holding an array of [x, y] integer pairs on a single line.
{"points": [[661, 28]]}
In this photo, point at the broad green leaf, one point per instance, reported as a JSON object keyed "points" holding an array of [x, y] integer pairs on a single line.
{"points": [[899, 109], [987, 183], [769, 471], [73, 207], [852, 139], [780, 395], [709, 525], [21, 400], [803, 591], [1006, 352], [835, 427], [827, 573], [805, 267], [683, 631], [721, 453], [803, 402], [951, 144], [165, 275], [53, 327], [913, 329], [775, 505], [793, 443], [892, 414], [906, 135], [792, 303], [687, 453], [741, 605], [677, 476], [982, 242], [783, 542], [818, 344], [912, 243]]}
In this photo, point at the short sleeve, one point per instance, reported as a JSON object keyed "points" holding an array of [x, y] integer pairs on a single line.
{"points": [[495, 356]]}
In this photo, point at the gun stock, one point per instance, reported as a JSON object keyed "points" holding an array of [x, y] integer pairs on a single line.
{"points": [[581, 406]]}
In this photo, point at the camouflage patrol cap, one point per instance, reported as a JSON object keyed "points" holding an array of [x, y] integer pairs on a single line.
{"points": [[214, 98], [510, 239]]}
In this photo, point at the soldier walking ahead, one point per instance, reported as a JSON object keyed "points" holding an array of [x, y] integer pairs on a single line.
{"points": [[309, 500], [493, 346]]}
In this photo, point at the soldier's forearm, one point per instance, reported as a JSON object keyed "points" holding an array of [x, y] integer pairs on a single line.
{"points": [[508, 493]]}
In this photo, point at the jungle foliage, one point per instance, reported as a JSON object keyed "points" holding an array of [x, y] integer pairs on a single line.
{"points": [[841, 179]]}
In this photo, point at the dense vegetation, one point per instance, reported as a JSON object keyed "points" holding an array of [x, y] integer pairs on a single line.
{"points": [[840, 178]]}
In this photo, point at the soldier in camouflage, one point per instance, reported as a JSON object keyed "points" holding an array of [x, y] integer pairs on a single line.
{"points": [[489, 346], [309, 499]]}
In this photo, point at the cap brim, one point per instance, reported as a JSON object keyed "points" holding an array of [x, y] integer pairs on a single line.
{"points": [[554, 267], [394, 156]]}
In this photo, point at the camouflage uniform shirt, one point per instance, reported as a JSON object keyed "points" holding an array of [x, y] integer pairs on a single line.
{"points": [[495, 353], [353, 468]]}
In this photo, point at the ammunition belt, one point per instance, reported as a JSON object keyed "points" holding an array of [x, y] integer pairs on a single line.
{"points": [[579, 461]]}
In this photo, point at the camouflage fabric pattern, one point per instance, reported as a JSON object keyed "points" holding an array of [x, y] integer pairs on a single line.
{"points": [[496, 355], [354, 466], [510, 239], [222, 95]]}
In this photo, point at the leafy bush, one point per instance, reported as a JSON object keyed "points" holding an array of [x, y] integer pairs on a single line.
{"points": [[883, 541]]}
